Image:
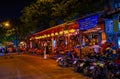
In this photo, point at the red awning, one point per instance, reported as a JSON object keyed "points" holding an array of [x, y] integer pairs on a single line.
{"points": [[72, 25]]}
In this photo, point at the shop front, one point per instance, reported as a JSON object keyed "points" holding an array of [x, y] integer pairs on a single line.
{"points": [[57, 38], [92, 36], [93, 32], [112, 27]]}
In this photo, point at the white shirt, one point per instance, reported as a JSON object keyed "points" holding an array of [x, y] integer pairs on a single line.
{"points": [[96, 48]]}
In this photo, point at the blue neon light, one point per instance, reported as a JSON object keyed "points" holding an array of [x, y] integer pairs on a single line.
{"points": [[88, 23], [109, 26], [118, 42], [55, 43], [119, 26]]}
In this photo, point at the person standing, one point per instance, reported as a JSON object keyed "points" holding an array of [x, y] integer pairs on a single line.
{"points": [[96, 48], [45, 46]]}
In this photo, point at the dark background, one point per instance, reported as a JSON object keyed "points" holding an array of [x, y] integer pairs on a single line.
{"points": [[11, 8]]}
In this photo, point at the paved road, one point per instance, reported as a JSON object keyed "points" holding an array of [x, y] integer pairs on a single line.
{"points": [[34, 67]]}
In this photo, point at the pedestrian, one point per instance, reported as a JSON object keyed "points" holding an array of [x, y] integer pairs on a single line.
{"points": [[96, 48], [109, 50], [3, 50]]}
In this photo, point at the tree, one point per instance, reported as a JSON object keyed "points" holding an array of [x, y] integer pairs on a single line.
{"points": [[70, 8], [38, 13], [47, 13], [2, 33]]}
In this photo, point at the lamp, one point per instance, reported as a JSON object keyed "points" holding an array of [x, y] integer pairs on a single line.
{"points": [[66, 32], [6, 24], [48, 35], [61, 32], [72, 31], [56, 33], [52, 34]]}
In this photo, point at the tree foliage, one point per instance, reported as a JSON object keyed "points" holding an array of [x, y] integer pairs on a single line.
{"points": [[48, 13]]}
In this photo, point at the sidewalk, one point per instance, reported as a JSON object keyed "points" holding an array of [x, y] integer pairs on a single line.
{"points": [[5, 54]]}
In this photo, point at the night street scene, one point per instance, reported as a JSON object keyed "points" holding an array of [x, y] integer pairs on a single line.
{"points": [[60, 39]]}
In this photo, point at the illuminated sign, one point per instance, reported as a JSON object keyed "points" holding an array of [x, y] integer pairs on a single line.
{"points": [[88, 23], [119, 23], [109, 26], [119, 26], [118, 42]]}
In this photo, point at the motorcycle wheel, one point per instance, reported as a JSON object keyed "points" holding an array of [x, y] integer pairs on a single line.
{"points": [[85, 71], [110, 75], [65, 64], [76, 68]]}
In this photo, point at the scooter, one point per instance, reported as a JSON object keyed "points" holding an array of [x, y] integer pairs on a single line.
{"points": [[65, 61], [115, 71], [78, 65]]}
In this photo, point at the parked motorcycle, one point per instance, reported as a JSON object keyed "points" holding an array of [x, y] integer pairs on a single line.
{"points": [[100, 71], [65, 61], [89, 67], [115, 71], [78, 65]]}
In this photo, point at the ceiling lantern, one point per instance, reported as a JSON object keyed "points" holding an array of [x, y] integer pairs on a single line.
{"points": [[72, 30], [36, 38], [52, 34], [42, 36], [56, 33], [48, 35], [45, 36], [61, 32], [66, 32], [30, 38]]}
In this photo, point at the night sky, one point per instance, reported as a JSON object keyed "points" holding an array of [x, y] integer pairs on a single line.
{"points": [[11, 8]]}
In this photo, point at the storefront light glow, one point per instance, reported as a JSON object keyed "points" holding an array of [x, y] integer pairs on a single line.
{"points": [[72, 31], [56, 33], [35, 37], [30, 38], [22, 42], [39, 36], [98, 28], [45, 36], [42, 36], [61, 32], [66, 32], [76, 33], [52, 34], [48, 35]]}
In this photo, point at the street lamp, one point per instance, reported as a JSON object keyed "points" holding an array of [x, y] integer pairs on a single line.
{"points": [[6, 24]]}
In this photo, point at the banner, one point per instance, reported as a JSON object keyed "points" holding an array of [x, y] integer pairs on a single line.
{"points": [[116, 26], [88, 22]]}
